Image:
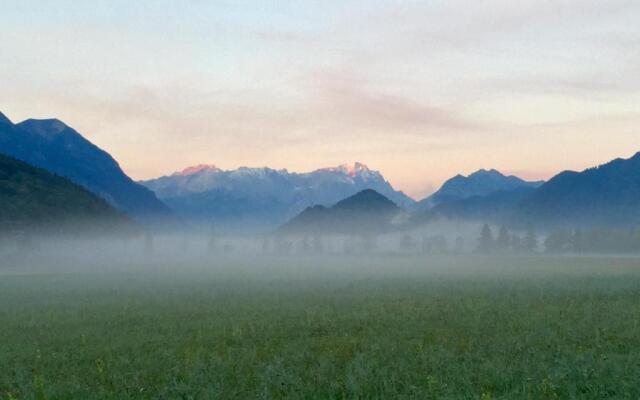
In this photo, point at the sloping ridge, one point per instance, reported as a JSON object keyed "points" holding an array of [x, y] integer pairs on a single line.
{"points": [[478, 184], [497, 207], [54, 146], [607, 195]]}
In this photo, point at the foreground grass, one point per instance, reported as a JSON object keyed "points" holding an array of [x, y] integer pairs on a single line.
{"points": [[459, 328]]}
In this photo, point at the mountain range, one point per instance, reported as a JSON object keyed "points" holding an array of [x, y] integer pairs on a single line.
{"points": [[607, 195], [603, 196], [263, 198], [52, 145], [478, 184], [32, 197], [497, 207]]}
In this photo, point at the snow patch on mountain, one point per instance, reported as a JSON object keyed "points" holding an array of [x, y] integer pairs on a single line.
{"points": [[196, 169]]}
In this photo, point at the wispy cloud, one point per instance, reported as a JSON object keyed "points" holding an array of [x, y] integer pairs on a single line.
{"points": [[343, 96]]}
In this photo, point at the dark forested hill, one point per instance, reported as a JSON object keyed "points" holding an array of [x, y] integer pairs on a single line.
{"points": [[366, 211], [31, 197]]}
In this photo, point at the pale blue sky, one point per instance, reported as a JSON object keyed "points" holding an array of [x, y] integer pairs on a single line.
{"points": [[418, 90]]}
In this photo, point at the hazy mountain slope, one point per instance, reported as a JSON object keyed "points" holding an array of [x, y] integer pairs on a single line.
{"points": [[54, 146], [33, 197], [607, 195], [479, 184], [263, 197], [497, 207], [365, 212]]}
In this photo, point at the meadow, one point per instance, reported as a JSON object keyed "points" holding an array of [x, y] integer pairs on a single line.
{"points": [[457, 327]]}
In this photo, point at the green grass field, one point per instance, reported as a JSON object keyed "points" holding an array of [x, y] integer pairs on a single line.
{"points": [[385, 328]]}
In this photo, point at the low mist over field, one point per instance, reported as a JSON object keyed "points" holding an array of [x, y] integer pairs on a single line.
{"points": [[88, 319]]}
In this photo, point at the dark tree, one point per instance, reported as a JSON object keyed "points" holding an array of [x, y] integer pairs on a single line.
{"points": [[485, 242]]}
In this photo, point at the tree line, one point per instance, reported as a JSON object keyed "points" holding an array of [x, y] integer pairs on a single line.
{"points": [[560, 241], [506, 241]]}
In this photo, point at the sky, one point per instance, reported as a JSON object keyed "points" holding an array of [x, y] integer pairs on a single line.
{"points": [[419, 90]]}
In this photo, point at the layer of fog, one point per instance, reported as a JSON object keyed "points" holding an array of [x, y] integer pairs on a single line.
{"points": [[147, 249]]}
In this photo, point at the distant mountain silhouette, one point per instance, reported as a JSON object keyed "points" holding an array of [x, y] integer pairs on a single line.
{"points": [[54, 146], [479, 184], [263, 198], [497, 207], [31, 197], [365, 212], [608, 195]]}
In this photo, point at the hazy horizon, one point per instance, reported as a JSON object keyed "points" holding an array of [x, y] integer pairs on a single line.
{"points": [[419, 91]]}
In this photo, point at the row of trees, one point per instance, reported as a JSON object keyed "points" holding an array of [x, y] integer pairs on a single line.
{"points": [[596, 240], [561, 240], [506, 241], [357, 244]]}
